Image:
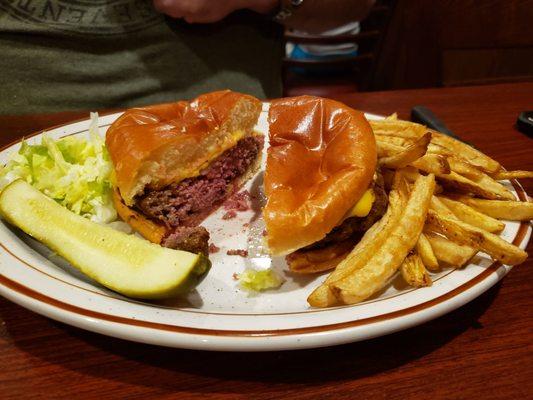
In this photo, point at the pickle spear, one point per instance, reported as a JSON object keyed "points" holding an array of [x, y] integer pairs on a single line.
{"points": [[124, 263]]}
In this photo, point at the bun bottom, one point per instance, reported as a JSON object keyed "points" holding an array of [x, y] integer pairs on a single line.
{"points": [[319, 260]]}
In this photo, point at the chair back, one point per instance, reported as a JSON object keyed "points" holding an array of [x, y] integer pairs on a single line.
{"points": [[344, 73]]}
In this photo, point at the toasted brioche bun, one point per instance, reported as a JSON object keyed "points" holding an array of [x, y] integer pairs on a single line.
{"points": [[322, 158], [158, 145], [319, 260]]}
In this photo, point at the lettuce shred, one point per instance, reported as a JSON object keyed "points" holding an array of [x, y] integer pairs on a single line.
{"points": [[255, 281], [74, 171]]}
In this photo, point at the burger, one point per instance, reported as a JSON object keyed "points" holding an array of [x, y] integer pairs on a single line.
{"points": [[321, 182], [174, 164]]}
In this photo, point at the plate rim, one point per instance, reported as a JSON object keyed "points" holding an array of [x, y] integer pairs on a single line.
{"points": [[93, 320]]}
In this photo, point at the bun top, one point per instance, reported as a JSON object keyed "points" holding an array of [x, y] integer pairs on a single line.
{"points": [[157, 145], [322, 158]]}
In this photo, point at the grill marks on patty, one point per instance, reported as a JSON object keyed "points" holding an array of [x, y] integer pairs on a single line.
{"points": [[186, 203]]}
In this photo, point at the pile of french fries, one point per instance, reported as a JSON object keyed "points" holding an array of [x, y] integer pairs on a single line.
{"points": [[445, 205]]}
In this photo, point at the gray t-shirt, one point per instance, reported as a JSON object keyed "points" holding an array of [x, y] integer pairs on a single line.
{"points": [[85, 54]]}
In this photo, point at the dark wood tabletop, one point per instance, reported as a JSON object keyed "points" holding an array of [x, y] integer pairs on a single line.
{"points": [[483, 350]]}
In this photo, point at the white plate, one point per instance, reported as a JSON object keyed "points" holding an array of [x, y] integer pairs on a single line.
{"points": [[220, 316]]}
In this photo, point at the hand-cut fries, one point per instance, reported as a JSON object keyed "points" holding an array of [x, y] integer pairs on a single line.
{"points": [[473, 217], [410, 130], [407, 156], [509, 210], [366, 280], [421, 231], [386, 148], [496, 187], [395, 140], [432, 164], [373, 239], [463, 233], [503, 175], [414, 272], [426, 253], [475, 157], [438, 206], [464, 168], [437, 149], [488, 189], [448, 252], [398, 128]]}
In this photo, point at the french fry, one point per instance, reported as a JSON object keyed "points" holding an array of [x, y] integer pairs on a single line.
{"points": [[372, 240], [396, 140], [425, 251], [411, 174], [449, 252], [484, 189], [386, 148], [466, 234], [398, 128], [410, 154], [400, 185], [438, 206], [464, 168], [501, 209], [406, 129], [504, 175], [442, 151], [438, 189], [433, 164], [473, 217], [496, 187], [483, 184], [469, 153], [364, 280], [414, 272]]}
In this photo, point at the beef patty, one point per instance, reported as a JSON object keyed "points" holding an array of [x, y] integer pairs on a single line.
{"points": [[188, 238], [356, 226], [188, 202]]}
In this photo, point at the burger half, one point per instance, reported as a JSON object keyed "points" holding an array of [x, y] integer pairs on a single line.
{"points": [[176, 163], [321, 181]]}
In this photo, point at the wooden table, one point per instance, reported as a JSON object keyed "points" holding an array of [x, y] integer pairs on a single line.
{"points": [[481, 351]]}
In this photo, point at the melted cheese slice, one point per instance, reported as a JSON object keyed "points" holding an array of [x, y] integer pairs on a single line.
{"points": [[363, 206]]}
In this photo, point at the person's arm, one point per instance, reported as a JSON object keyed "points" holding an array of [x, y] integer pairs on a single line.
{"points": [[313, 16], [208, 11]]}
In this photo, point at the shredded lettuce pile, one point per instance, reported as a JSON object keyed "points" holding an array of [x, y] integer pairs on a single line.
{"points": [[255, 281], [74, 171]]}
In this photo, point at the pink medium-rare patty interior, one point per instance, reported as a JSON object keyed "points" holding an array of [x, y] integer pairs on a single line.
{"points": [[189, 201]]}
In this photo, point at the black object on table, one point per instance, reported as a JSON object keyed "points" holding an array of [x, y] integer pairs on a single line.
{"points": [[524, 123]]}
